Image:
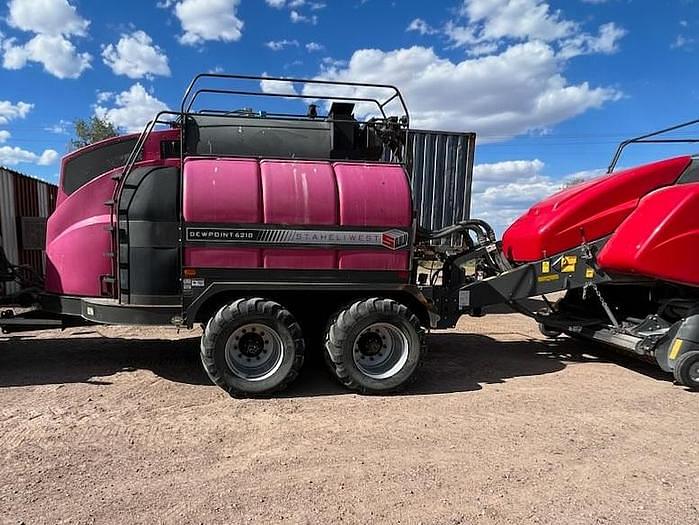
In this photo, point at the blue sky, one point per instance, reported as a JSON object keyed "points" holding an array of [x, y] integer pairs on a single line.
{"points": [[550, 86]]}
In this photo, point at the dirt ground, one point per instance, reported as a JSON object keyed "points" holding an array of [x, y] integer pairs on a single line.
{"points": [[114, 425]]}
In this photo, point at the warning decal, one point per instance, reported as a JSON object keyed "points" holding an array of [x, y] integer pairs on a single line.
{"points": [[568, 263]]}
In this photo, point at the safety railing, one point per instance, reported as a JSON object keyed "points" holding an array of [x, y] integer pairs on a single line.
{"points": [[648, 139]]}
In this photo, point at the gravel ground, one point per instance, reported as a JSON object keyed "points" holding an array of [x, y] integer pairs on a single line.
{"points": [[120, 425]]}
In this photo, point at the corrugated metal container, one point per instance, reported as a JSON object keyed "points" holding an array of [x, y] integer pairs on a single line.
{"points": [[441, 168], [25, 202]]}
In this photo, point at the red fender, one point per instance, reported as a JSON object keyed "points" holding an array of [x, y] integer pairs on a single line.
{"points": [[660, 239]]}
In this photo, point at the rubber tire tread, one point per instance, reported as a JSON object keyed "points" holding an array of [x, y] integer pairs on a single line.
{"points": [[681, 371], [337, 333], [550, 333], [238, 310]]}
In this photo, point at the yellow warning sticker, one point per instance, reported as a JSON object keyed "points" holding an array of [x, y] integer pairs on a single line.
{"points": [[675, 350], [545, 266], [590, 273], [568, 263], [548, 278]]}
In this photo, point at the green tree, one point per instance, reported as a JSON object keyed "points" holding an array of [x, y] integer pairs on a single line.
{"points": [[94, 129]]}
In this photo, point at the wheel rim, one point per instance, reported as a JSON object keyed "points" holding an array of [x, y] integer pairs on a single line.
{"points": [[694, 372], [254, 352], [380, 350]]}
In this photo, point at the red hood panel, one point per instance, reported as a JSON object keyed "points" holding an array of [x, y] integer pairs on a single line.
{"points": [[660, 238], [592, 209]]}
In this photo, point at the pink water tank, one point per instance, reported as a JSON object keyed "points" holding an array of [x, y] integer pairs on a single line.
{"points": [[280, 195]]}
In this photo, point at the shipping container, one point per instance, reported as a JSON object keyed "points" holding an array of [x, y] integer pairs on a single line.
{"points": [[440, 164], [25, 203]]}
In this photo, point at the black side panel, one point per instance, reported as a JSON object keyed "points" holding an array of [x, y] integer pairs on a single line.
{"points": [[150, 205], [80, 170], [691, 174], [342, 137], [257, 137]]}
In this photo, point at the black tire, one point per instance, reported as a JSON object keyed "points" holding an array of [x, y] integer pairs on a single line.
{"points": [[373, 325], [547, 331], [687, 370], [252, 347]]}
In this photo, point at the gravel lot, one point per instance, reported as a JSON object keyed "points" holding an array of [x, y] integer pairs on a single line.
{"points": [[120, 425]]}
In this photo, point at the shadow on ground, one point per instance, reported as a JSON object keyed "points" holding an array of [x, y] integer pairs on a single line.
{"points": [[91, 358], [456, 362]]}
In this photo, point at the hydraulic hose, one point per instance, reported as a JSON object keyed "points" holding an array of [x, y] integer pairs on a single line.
{"points": [[483, 231]]}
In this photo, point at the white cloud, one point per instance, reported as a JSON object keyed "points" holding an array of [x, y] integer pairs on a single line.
{"points": [[682, 42], [48, 157], [132, 110], [499, 96], [486, 48], [10, 111], [104, 96], [48, 17], [606, 42], [278, 45], [298, 18], [57, 54], [489, 175], [295, 4], [13, 155], [494, 23], [295, 15], [313, 47], [135, 56], [53, 22], [204, 20], [333, 63], [60, 128], [4, 135], [280, 87], [502, 191], [421, 27], [520, 19]]}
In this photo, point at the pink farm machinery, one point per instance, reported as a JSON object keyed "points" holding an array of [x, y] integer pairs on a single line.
{"points": [[275, 229]]}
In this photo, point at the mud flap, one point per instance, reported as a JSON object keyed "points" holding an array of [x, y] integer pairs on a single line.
{"points": [[683, 337]]}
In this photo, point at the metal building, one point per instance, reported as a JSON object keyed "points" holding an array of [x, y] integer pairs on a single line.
{"points": [[25, 202]]}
